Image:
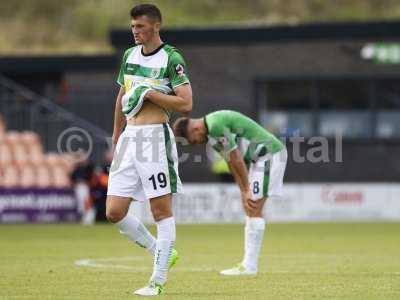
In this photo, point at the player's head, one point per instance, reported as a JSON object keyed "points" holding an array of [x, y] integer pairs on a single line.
{"points": [[145, 23], [193, 130]]}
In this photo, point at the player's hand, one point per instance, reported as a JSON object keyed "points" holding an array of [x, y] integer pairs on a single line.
{"points": [[134, 98], [248, 204]]}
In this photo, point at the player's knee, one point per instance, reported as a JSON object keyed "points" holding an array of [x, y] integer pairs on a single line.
{"points": [[114, 216], [160, 214], [255, 214], [257, 211]]}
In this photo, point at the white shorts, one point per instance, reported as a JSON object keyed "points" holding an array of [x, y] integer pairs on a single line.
{"points": [[266, 175], [145, 163]]}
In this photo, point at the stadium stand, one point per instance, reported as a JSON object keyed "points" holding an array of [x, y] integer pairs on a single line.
{"points": [[23, 164]]}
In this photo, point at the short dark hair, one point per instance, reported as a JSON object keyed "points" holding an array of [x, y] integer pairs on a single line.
{"points": [[149, 10], [181, 127]]}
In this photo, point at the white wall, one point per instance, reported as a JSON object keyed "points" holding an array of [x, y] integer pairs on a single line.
{"points": [[220, 203]]}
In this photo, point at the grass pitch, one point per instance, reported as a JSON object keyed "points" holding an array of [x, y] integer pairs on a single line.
{"points": [[299, 261]]}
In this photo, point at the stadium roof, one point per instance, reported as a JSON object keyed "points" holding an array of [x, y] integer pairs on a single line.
{"points": [[303, 32]]}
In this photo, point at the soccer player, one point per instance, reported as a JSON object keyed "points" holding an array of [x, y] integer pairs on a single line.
{"points": [[257, 160], [153, 82]]}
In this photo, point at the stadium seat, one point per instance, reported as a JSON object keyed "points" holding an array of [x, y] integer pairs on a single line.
{"points": [[44, 178], [12, 137], [6, 156], [23, 163], [21, 155], [60, 176], [68, 162], [11, 176], [30, 138], [27, 176], [33, 146], [36, 154]]}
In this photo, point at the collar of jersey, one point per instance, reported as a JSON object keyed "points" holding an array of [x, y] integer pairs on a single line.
{"points": [[152, 52]]}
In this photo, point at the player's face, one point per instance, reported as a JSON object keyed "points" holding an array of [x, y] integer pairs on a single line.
{"points": [[143, 29], [196, 134]]}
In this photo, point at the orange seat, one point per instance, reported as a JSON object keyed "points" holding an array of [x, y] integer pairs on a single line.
{"points": [[60, 177], [1, 177], [11, 177], [6, 156], [68, 162], [27, 176], [36, 155], [53, 159], [30, 138], [33, 146], [43, 176], [24, 164], [21, 155], [13, 137]]}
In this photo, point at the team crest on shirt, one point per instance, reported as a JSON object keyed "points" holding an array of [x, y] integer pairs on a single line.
{"points": [[179, 69], [155, 72]]}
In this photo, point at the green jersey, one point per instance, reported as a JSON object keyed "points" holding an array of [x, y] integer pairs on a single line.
{"points": [[163, 70], [228, 130]]}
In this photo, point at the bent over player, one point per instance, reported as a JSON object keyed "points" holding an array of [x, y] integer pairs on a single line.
{"points": [[153, 82], [257, 160]]}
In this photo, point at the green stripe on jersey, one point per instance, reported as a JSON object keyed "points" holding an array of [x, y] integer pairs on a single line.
{"points": [[266, 178], [171, 169], [138, 70]]}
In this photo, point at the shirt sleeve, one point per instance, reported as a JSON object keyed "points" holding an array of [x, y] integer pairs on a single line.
{"points": [[224, 144], [120, 79], [177, 70]]}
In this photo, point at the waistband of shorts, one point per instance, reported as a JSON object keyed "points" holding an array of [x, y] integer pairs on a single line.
{"points": [[136, 127]]}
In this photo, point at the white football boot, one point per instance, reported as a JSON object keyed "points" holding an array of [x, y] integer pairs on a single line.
{"points": [[239, 270]]}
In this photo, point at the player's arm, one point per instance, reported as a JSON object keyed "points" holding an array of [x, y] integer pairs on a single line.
{"points": [[239, 170], [180, 102], [119, 118]]}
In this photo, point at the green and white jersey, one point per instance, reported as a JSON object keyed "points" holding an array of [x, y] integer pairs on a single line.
{"points": [[228, 130], [163, 70]]}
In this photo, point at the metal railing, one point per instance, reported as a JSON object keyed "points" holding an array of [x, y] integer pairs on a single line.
{"points": [[24, 109]]}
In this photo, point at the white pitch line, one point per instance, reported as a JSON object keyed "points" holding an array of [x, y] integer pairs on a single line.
{"points": [[97, 263], [100, 263]]}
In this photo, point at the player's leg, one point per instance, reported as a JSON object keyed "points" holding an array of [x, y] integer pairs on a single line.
{"points": [[160, 179], [161, 208], [269, 184], [255, 223], [117, 208], [123, 184], [165, 254], [253, 237]]}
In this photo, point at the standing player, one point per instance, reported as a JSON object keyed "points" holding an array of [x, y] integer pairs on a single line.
{"points": [[257, 160], [145, 166]]}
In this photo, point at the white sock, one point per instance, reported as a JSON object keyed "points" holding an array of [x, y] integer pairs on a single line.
{"points": [[133, 229], [253, 237], [166, 235]]}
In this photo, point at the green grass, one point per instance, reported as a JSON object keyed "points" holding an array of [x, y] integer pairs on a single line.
{"points": [[299, 261]]}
